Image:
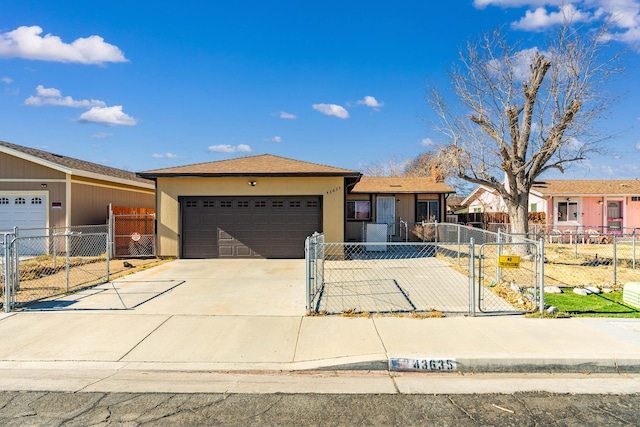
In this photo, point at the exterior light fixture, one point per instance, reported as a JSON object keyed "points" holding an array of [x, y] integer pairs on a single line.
{"points": [[43, 185], [252, 183]]}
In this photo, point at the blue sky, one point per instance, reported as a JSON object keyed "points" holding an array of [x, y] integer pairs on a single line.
{"points": [[143, 85]]}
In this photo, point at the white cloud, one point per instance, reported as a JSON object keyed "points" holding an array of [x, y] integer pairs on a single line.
{"points": [[101, 135], [7, 80], [520, 62], [481, 4], [274, 139], [226, 148], [48, 92], [370, 101], [332, 110], [99, 112], [108, 116], [27, 42], [164, 156], [638, 146], [622, 16], [540, 18], [426, 142], [52, 96], [285, 115]]}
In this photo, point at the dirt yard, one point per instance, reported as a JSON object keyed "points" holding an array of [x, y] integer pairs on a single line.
{"points": [[41, 278]]}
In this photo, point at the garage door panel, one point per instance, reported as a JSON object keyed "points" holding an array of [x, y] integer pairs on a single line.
{"points": [[22, 211], [224, 235], [262, 227], [260, 219], [243, 251], [226, 251]]}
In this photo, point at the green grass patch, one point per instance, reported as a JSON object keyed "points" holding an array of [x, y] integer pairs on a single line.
{"points": [[594, 305]]}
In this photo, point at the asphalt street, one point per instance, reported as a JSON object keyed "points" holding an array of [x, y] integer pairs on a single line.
{"points": [[171, 409]]}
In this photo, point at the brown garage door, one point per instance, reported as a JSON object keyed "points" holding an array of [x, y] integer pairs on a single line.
{"points": [[245, 227]]}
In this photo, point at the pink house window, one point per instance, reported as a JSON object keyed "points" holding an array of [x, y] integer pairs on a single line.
{"points": [[567, 211]]}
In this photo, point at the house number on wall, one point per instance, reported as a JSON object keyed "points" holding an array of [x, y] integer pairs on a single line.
{"points": [[334, 190]]}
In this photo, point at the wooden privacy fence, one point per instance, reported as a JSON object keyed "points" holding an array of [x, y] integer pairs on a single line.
{"points": [[495, 218], [132, 231]]}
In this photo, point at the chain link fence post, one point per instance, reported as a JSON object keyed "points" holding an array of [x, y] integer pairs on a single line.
{"points": [[307, 259], [108, 256], [633, 248], [541, 279], [68, 247], [54, 249], [615, 260], [458, 243], [472, 277], [435, 231], [499, 252], [7, 275]]}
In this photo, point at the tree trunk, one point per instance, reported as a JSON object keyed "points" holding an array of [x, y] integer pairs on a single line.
{"points": [[519, 219]]}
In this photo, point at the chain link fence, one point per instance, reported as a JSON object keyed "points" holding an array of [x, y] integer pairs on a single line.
{"points": [[39, 267], [446, 275], [430, 274], [607, 264]]}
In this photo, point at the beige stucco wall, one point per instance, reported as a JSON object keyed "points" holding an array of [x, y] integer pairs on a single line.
{"points": [[331, 190]]}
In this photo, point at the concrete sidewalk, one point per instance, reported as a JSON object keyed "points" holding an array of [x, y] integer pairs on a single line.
{"points": [[185, 317]]}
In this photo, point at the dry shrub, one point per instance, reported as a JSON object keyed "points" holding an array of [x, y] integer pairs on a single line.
{"points": [[516, 299]]}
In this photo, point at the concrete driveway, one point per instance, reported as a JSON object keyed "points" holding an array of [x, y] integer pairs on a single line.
{"points": [[237, 287]]}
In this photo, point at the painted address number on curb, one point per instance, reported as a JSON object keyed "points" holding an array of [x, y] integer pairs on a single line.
{"points": [[436, 365]]}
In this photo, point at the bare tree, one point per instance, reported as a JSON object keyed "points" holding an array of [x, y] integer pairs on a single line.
{"points": [[523, 111], [429, 164], [392, 166]]}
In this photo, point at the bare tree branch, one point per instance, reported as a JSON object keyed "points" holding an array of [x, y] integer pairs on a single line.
{"points": [[522, 112]]}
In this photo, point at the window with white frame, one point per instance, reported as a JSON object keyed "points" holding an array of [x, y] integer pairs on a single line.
{"points": [[567, 211]]}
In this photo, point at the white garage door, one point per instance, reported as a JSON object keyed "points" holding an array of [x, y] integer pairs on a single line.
{"points": [[22, 211]]}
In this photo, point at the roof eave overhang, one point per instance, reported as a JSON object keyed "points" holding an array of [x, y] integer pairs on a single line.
{"points": [[404, 192], [247, 175], [34, 159], [70, 171]]}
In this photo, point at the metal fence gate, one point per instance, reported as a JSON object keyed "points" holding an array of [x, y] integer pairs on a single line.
{"points": [[36, 267], [450, 275], [133, 235], [510, 270]]}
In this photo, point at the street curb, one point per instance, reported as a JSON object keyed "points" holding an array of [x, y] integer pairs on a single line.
{"points": [[504, 365]]}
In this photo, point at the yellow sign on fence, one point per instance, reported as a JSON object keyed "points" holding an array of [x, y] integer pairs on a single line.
{"points": [[509, 261]]}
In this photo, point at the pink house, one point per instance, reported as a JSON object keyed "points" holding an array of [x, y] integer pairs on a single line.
{"points": [[579, 207], [608, 206]]}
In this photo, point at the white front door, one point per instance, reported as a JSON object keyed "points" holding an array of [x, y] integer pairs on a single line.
{"points": [[386, 213]]}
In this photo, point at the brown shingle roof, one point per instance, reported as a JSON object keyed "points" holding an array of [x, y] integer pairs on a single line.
{"points": [[76, 164], [395, 184], [551, 187], [265, 164]]}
